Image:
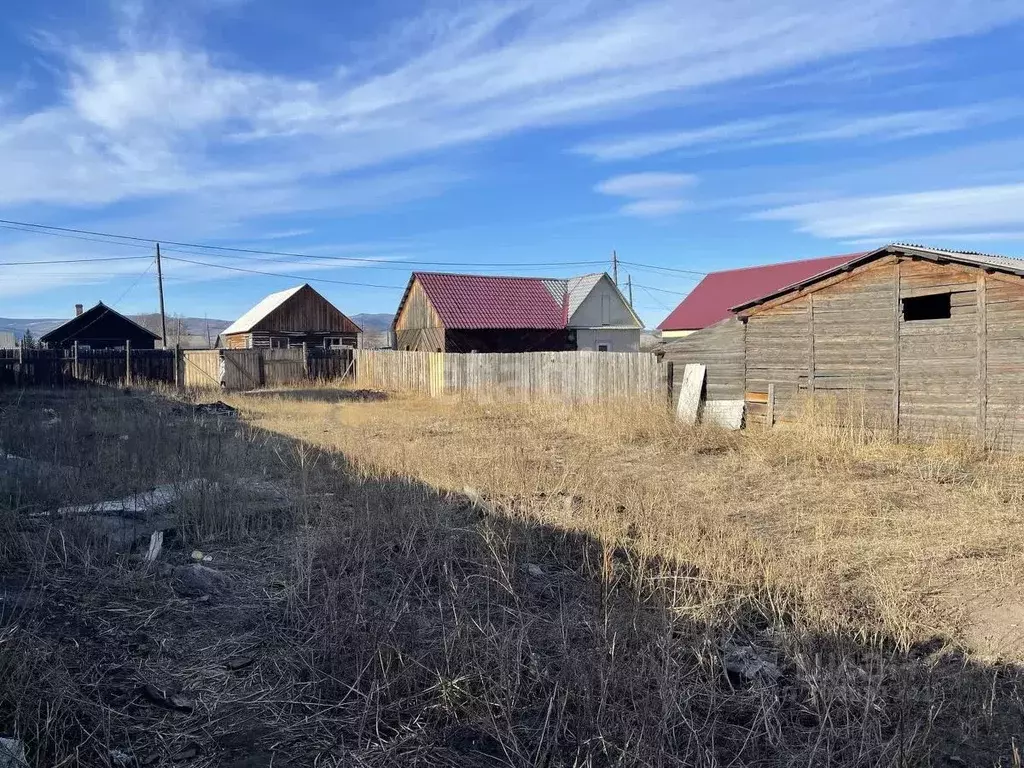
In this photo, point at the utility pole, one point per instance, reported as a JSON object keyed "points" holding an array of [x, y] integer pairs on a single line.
{"points": [[209, 341], [615, 267], [160, 283], [629, 284]]}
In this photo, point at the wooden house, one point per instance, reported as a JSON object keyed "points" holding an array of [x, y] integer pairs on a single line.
{"points": [[923, 341], [99, 328], [481, 313], [291, 318]]}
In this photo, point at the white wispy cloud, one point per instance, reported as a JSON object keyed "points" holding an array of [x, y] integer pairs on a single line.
{"points": [[654, 194], [802, 128], [899, 216], [651, 184], [153, 115], [654, 207]]}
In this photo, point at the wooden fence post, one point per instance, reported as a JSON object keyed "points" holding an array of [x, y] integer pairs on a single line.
{"points": [[177, 366], [127, 362], [305, 360], [74, 365], [670, 375], [770, 419]]}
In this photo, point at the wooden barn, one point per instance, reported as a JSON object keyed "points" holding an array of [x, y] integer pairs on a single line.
{"points": [[921, 340], [292, 318], [99, 328], [482, 313]]}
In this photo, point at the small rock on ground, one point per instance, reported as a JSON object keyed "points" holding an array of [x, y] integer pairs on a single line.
{"points": [[195, 580]]}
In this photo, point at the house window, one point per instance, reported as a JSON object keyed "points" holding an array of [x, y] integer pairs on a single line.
{"points": [[279, 342], [332, 342], [603, 346], [932, 307]]}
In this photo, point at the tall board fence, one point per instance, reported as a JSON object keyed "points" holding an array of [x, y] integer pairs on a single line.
{"points": [[102, 366], [570, 377], [243, 369], [199, 368]]}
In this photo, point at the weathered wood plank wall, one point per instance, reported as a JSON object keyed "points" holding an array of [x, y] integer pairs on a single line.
{"points": [[562, 376], [946, 376], [1004, 363], [419, 328], [719, 348], [939, 358]]}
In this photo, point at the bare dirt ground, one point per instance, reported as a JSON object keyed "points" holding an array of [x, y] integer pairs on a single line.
{"points": [[405, 582]]}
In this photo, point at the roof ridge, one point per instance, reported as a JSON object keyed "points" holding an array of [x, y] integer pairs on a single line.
{"points": [[787, 263], [494, 277], [920, 247]]}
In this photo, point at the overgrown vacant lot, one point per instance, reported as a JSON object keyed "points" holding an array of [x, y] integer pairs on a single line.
{"points": [[412, 582]]}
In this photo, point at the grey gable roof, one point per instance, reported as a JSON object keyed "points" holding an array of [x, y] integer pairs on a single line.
{"points": [[986, 261]]}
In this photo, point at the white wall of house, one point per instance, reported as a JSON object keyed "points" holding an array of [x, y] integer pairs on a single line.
{"points": [[603, 306], [615, 339]]}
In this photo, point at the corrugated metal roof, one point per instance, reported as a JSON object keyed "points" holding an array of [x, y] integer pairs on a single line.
{"points": [[714, 296], [483, 301], [579, 288], [969, 258], [1010, 263], [246, 322]]}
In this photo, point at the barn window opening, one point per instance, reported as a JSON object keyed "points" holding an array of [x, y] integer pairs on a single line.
{"points": [[602, 346], [935, 306]]}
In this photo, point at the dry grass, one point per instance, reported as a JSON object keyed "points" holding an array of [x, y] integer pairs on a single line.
{"points": [[834, 524], [443, 583]]}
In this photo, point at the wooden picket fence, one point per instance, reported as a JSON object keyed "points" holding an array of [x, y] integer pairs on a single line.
{"points": [[570, 377]]}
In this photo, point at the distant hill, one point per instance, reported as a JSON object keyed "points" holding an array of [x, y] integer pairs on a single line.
{"points": [[373, 322], [189, 331], [38, 326]]}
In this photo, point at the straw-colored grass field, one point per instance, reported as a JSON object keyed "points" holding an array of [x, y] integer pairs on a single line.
{"points": [[417, 582]]}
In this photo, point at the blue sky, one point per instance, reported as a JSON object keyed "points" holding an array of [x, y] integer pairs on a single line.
{"points": [[511, 137]]}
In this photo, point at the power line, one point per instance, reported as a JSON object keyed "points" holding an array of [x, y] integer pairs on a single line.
{"points": [[666, 269], [282, 274], [680, 294], [655, 299], [148, 241], [70, 261]]}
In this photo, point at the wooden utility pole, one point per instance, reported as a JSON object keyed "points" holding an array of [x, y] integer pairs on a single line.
{"points": [[629, 285], [160, 283], [615, 267]]}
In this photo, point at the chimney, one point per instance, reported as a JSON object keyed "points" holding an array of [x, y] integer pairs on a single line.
{"points": [[78, 309]]}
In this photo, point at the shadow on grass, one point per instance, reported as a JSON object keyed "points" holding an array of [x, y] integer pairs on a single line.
{"points": [[378, 621]]}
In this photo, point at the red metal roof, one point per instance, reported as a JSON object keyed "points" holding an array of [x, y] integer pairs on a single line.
{"points": [[712, 298], [481, 301]]}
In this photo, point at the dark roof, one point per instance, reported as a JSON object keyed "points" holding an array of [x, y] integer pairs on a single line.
{"points": [[970, 258], [80, 325], [714, 296], [482, 301]]}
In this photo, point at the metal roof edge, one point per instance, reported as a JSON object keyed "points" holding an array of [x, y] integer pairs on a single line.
{"points": [[985, 261]]}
